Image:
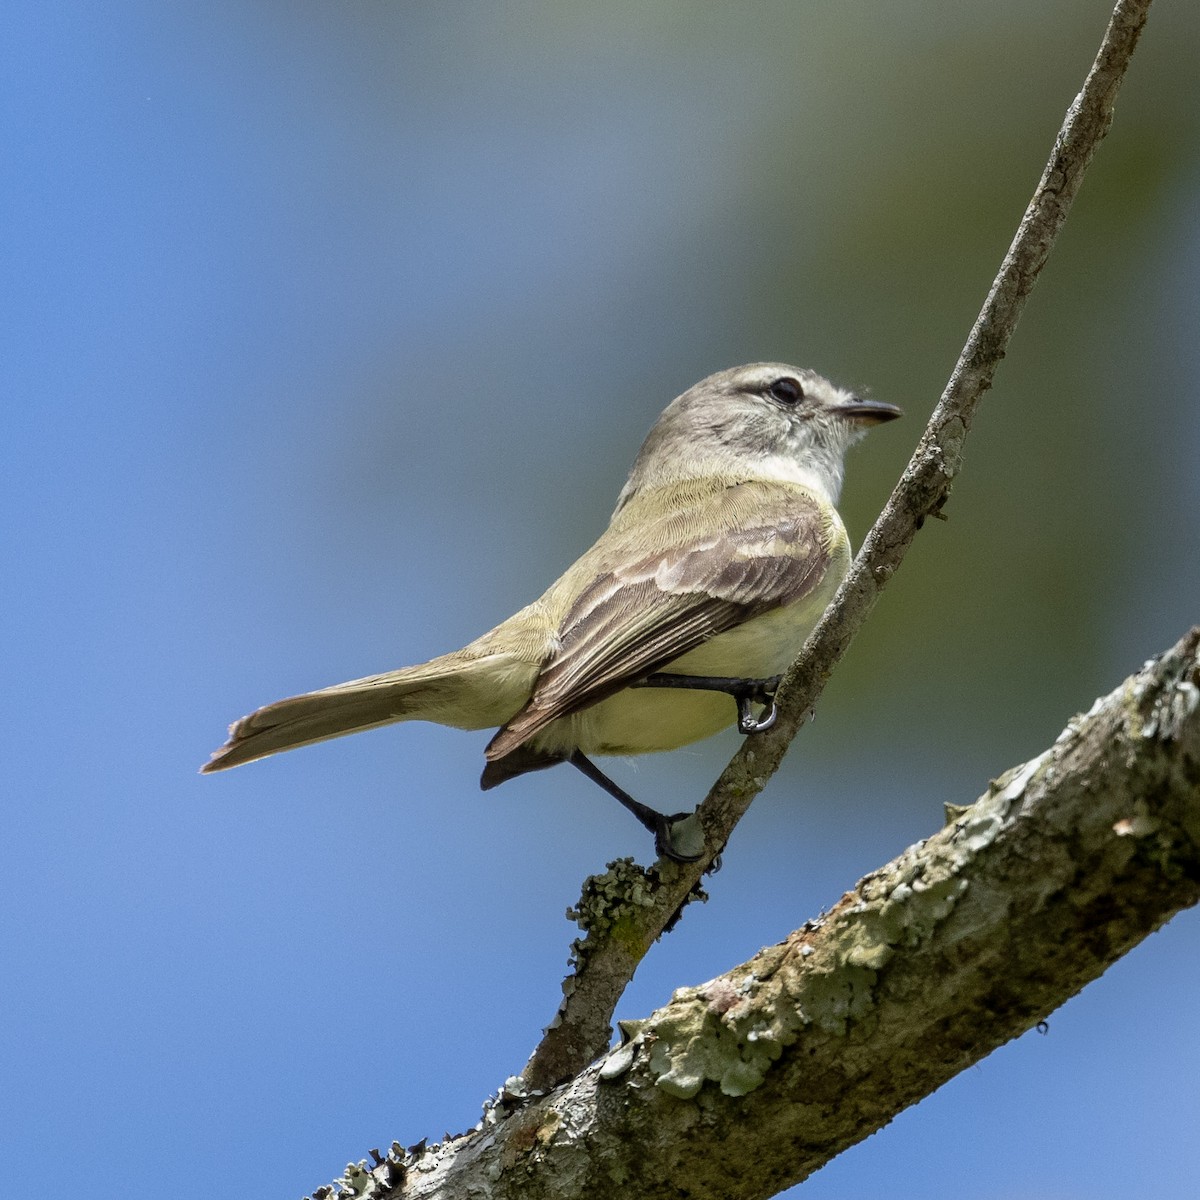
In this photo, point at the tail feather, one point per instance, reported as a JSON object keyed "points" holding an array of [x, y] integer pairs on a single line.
{"points": [[469, 693], [299, 721]]}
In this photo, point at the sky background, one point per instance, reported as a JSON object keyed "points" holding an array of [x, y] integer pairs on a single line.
{"points": [[329, 332]]}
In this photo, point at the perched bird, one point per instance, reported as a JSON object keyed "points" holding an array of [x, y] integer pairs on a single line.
{"points": [[724, 549]]}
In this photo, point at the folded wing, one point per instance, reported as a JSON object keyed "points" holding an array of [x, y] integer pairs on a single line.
{"points": [[729, 557]]}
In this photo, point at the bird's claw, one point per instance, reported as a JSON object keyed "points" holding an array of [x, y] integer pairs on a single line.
{"points": [[761, 691]]}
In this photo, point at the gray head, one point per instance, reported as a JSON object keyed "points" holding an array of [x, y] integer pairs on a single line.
{"points": [[761, 421]]}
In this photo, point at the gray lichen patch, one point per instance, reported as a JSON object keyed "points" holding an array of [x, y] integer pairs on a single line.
{"points": [[619, 892], [689, 1049], [613, 907], [706, 1034], [609, 900], [1171, 701], [362, 1182], [732, 1030]]}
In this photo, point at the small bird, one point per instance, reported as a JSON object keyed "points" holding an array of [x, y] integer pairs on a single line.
{"points": [[723, 551]]}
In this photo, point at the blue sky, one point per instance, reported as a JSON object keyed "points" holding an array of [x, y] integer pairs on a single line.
{"points": [[329, 332]]}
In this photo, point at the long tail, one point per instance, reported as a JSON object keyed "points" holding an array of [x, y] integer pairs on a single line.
{"points": [[459, 689]]}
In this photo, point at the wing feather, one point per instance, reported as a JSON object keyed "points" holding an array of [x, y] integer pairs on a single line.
{"points": [[649, 609]]}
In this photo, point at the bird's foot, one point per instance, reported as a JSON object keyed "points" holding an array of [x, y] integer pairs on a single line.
{"points": [[680, 836], [745, 692]]}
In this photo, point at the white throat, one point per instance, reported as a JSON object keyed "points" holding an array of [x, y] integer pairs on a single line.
{"points": [[821, 473]]}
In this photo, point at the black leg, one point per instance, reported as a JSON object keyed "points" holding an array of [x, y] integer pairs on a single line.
{"points": [[744, 691], [670, 838]]}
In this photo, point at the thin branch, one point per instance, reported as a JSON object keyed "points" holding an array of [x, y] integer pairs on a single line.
{"points": [[963, 942], [612, 948]]}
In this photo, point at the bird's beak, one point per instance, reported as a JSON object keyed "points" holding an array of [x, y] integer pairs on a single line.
{"points": [[868, 412]]}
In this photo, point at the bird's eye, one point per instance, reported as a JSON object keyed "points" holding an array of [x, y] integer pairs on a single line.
{"points": [[786, 391]]}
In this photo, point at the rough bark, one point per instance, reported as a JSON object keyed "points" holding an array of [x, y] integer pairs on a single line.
{"points": [[749, 1083], [623, 913]]}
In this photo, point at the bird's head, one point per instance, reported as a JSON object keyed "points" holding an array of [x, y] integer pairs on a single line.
{"points": [[761, 421]]}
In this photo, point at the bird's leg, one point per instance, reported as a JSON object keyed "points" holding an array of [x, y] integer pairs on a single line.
{"points": [[678, 836], [745, 691]]}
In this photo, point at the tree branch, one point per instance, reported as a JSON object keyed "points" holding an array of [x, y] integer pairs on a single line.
{"points": [[625, 911], [963, 942]]}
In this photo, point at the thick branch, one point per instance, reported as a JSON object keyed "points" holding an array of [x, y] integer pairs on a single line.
{"points": [[613, 948], [963, 942]]}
